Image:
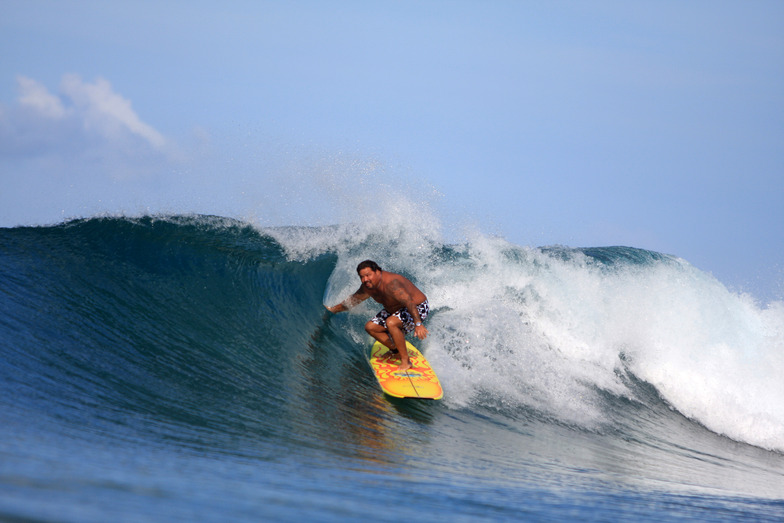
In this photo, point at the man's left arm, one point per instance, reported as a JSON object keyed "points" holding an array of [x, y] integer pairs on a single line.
{"points": [[420, 331], [403, 296]]}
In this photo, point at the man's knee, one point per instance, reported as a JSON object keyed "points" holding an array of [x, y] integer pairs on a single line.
{"points": [[371, 327], [393, 322]]}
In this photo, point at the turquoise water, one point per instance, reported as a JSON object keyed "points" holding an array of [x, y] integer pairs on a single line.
{"points": [[184, 367]]}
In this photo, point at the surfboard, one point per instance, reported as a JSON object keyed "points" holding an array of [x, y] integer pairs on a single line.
{"points": [[420, 381]]}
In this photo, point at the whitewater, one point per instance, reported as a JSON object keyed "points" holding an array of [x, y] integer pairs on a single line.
{"points": [[162, 367]]}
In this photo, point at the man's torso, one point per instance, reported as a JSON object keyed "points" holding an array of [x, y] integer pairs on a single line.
{"points": [[393, 291]]}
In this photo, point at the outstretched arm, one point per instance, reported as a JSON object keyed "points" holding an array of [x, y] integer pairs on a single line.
{"points": [[351, 301]]}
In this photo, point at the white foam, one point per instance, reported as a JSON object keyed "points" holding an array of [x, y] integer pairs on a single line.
{"points": [[520, 328]]}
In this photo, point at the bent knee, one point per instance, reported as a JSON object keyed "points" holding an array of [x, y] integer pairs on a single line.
{"points": [[371, 327], [394, 322]]}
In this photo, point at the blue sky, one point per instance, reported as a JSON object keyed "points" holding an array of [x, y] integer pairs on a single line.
{"points": [[656, 124]]}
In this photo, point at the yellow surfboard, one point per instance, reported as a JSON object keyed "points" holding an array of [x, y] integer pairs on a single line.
{"points": [[420, 381]]}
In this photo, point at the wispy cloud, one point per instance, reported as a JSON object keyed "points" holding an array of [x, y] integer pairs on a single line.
{"points": [[78, 151], [103, 110], [84, 118], [35, 96]]}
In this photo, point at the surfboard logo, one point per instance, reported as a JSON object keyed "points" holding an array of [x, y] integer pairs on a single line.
{"points": [[408, 374]]}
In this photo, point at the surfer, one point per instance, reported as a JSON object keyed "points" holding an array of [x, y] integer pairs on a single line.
{"points": [[405, 308]]}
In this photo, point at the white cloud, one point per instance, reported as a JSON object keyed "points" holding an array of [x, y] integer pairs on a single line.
{"points": [[35, 96], [106, 111], [85, 115], [80, 151], [85, 135]]}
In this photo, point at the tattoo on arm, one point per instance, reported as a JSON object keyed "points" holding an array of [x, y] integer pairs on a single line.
{"points": [[355, 299], [400, 293], [404, 297]]}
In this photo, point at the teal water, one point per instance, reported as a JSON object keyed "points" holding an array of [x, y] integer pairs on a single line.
{"points": [[183, 367]]}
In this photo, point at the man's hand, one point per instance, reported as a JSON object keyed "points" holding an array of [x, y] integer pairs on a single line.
{"points": [[340, 307], [420, 332]]}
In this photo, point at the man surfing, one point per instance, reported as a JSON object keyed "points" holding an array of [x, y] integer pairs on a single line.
{"points": [[405, 308]]}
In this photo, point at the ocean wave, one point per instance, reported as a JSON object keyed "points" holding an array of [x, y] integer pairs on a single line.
{"points": [[207, 321]]}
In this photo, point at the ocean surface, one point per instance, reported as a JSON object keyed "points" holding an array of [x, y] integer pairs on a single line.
{"points": [[183, 368]]}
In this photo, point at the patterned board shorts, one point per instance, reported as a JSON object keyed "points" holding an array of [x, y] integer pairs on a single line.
{"points": [[403, 315]]}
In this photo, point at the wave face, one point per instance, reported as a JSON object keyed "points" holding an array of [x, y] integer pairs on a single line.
{"points": [[146, 359]]}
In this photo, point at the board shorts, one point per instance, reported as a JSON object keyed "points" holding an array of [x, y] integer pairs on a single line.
{"points": [[403, 315]]}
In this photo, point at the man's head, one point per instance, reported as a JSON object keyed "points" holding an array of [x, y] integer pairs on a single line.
{"points": [[369, 273], [368, 264]]}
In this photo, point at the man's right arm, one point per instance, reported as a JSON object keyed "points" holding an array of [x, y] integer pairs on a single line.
{"points": [[336, 308], [351, 301]]}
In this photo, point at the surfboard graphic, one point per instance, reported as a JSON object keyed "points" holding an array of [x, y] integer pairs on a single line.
{"points": [[420, 381]]}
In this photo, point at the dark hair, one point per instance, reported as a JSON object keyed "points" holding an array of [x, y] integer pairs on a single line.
{"points": [[368, 264]]}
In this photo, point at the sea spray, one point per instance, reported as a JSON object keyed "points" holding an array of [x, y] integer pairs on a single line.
{"points": [[548, 331]]}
